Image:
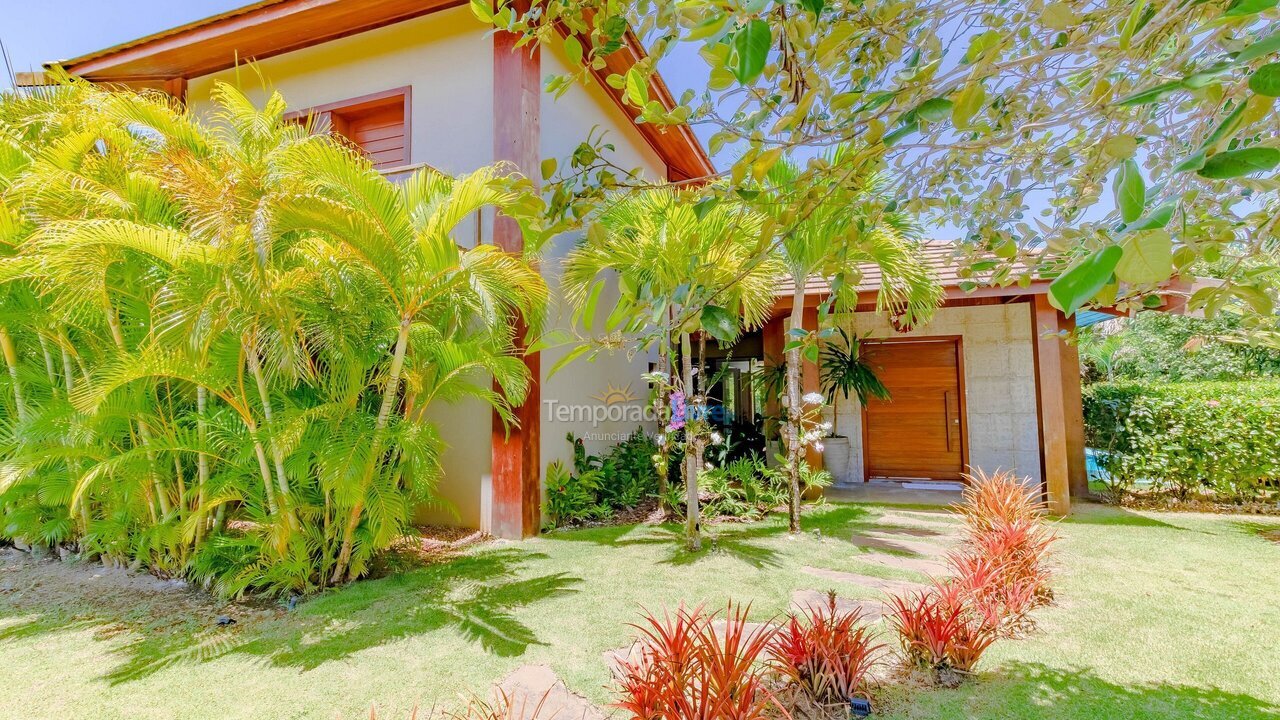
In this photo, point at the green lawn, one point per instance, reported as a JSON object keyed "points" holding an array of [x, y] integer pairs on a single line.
{"points": [[1159, 616]]}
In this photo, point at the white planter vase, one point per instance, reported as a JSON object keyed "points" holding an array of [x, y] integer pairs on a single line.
{"points": [[836, 453]]}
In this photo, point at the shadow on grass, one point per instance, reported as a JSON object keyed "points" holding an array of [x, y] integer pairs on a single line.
{"points": [[476, 595], [1040, 691], [1101, 514], [1265, 530], [748, 542]]}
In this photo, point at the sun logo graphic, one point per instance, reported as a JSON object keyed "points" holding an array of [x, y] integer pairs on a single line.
{"points": [[616, 395]]}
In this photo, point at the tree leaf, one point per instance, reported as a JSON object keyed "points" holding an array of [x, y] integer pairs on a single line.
{"points": [[1078, 285], [751, 45], [573, 48], [1154, 220], [1148, 258], [1241, 8], [814, 6], [720, 323], [935, 109], [968, 103], [1266, 80], [548, 168], [637, 88], [1156, 93], [1238, 163], [1265, 46], [483, 11], [1130, 191], [907, 128]]}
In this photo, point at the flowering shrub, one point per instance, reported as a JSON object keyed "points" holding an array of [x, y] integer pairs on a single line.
{"points": [[825, 653], [1218, 438], [600, 485], [693, 668]]}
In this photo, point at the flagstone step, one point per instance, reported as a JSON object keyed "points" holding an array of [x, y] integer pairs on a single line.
{"points": [[885, 585]]}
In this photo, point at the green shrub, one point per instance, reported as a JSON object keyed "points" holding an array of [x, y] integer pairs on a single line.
{"points": [[1221, 438], [598, 486]]}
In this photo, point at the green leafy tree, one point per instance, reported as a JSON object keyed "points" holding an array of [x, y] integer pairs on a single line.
{"points": [[1106, 145], [835, 232], [682, 271]]}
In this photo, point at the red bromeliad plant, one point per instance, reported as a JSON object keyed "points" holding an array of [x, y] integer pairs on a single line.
{"points": [[942, 631], [826, 653], [997, 499], [693, 668]]}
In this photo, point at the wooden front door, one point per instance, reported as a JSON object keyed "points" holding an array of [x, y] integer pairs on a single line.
{"points": [[920, 431]]}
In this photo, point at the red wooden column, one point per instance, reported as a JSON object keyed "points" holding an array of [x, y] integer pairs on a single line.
{"points": [[1073, 406], [177, 87], [1052, 400], [517, 479]]}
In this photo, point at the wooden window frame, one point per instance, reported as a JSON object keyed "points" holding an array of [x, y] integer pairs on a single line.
{"points": [[333, 111]]}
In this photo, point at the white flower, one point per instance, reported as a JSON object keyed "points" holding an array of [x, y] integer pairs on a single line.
{"points": [[818, 447], [813, 398], [825, 426], [716, 439]]}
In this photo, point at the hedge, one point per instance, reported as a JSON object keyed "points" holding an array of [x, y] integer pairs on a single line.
{"points": [[1221, 438]]}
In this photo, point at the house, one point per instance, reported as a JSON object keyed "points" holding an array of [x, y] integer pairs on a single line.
{"points": [[418, 82]]}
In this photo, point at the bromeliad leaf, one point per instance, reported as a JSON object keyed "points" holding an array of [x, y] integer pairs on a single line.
{"points": [[1238, 163], [1130, 191], [1078, 285], [720, 323]]}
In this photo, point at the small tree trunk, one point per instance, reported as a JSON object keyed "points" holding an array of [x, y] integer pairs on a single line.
{"points": [[11, 361], [663, 401], [692, 513], [795, 408], [389, 396], [202, 460], [264, 394]]}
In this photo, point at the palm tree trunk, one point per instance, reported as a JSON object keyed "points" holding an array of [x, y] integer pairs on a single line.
{"points": [[202, 460], [11, 360], [794, 406], [144, 432], [692, 513], [73, 466], [389, 396], [264, 394]]}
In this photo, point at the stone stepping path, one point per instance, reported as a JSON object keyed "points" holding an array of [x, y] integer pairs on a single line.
{"points": [[934, 567], [871, 610], [899, 545], [885, 585], [534, 691]]}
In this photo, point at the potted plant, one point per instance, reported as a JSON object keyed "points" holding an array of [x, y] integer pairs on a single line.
{"points": [[843, 371]]}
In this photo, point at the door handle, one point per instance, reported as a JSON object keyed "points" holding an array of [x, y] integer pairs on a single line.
{"points": [[946, 416]]}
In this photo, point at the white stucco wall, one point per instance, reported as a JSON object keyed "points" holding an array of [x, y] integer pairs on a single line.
{"points": [[566, 122], [447, 60], [999, 376]]}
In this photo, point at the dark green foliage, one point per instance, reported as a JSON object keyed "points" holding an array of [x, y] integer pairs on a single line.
{"points": [[1220, 439], [746, 488], [1173, 348], [598, 486]]}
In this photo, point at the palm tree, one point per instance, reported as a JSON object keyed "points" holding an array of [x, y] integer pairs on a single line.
{"points": [[683, 271], [454, 310], [834, 231]]}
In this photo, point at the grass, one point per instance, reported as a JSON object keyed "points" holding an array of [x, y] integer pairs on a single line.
{"points": [[1159, 616]]}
